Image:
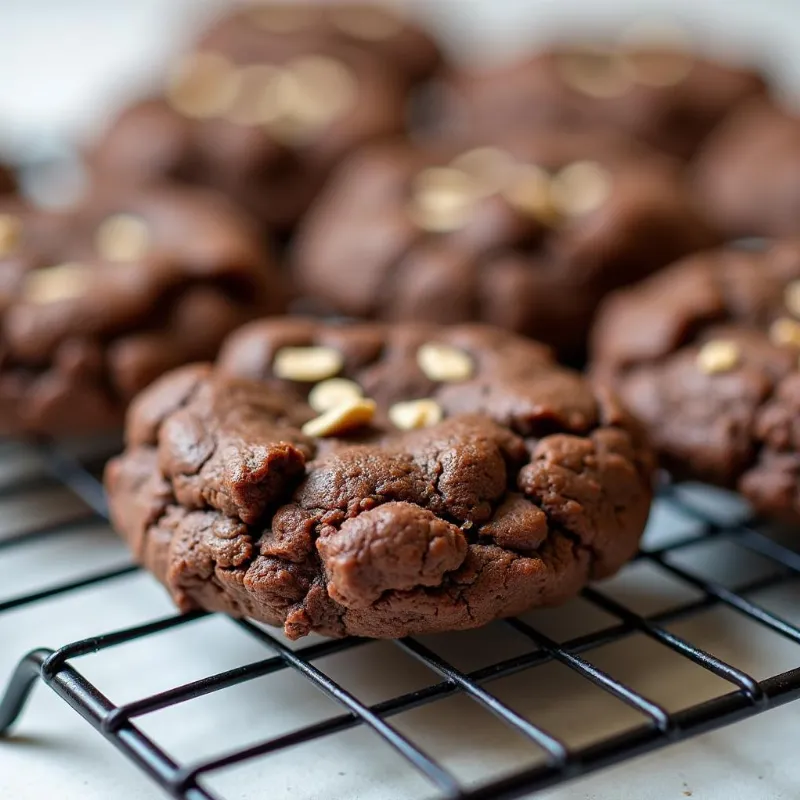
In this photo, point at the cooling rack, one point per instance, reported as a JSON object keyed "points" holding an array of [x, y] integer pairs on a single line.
{"points": [[651, 723]]}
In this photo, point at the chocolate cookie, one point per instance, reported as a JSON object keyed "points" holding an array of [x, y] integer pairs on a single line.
{"points": [[385, 32], [264, 126], [706, 354], [529, 238], [748, 176], [665, 97], [378, 480], [98, 300]]}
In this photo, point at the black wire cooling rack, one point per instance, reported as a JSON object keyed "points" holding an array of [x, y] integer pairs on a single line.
{"points": [[658, 727]]}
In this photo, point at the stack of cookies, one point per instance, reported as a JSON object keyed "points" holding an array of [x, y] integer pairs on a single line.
{"points": [[332, 302]]}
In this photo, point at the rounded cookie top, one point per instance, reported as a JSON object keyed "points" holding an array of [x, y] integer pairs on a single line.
{"points": [[262, 124], [705, 354], [98, 299], [385, 32], [378, 480], [748, 173], [528, 236], [662, 94]]}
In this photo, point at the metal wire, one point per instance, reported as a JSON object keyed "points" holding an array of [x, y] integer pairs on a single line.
{"points": [[657, 726]]}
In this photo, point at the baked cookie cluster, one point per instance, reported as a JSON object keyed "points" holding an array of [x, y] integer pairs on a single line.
{"points": [[529, 236], [99, 299], [432, 466], [378, 480]]}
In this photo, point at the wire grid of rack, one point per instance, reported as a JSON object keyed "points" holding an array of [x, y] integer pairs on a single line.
{"points": [[657, 727]]}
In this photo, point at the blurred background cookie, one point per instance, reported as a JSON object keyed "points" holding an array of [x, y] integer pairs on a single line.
{"points": [[528, 236], [748, 176], [392, 36], [263, 122], [663, 94], [99, 299]]}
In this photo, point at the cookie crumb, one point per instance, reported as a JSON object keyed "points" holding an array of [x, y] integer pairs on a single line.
{"points": [[415, 414], [444, 363], [332, 392], [307, 364], [718, 355], [343, 418]]}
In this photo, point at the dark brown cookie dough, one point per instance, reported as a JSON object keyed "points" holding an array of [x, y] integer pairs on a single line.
{"points": [[393, 38], [748, 175], [529, 238], [706, 354], [665, 97], [378, 480], [98, 300], [264, 125]]}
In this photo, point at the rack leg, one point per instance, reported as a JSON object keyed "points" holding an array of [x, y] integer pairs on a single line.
{"points": [[20, 687]]}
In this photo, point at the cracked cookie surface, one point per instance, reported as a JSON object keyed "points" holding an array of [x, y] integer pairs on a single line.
{"points": [[524, 486], [705, 354]]}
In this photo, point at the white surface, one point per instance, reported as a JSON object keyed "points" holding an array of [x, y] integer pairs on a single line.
{"points": [[53, 753], [63, 67]]}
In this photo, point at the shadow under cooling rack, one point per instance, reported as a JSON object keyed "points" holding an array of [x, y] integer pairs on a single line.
{"points": [[688, 638]]}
